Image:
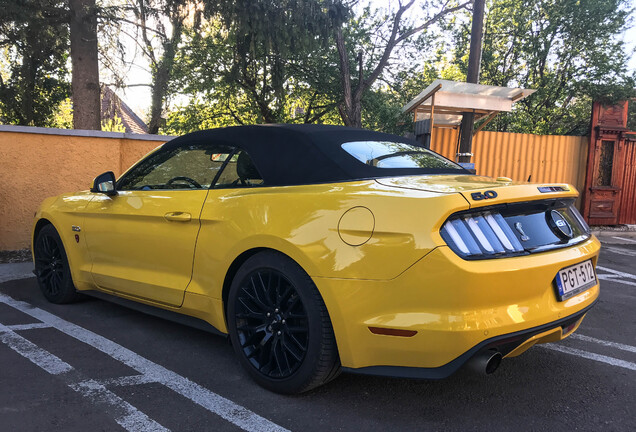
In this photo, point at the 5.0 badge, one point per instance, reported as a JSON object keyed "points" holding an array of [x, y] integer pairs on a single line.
{"points": [[478, 196]]}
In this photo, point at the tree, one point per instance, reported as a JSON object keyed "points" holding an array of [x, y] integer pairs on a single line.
{"points": [[354, 85], [245, 72], [158, 28], [84, 59], [34, 44], [235, 69], [568, 50]]}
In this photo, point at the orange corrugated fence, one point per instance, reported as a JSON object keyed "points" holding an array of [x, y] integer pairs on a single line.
{"points": [[547, 158]]}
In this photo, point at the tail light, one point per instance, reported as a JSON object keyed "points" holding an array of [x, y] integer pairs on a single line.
{"points": [[480, 234], [514, 229]]}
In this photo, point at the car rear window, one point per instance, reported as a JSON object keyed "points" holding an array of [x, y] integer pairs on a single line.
{"points": [[386, 154]]}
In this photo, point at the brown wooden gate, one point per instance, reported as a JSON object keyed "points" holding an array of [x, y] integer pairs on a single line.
{"points": [[610, 185]]}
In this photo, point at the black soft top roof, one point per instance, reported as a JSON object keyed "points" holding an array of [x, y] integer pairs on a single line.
{"points": [[287, 154]]}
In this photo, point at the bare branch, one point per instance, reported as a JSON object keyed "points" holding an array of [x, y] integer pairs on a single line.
{"points": [[142, 17], [432, 21], [345, 73], [395, 39], [150, 29]]}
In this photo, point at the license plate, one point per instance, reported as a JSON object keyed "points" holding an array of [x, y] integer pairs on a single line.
{"points": [[574, 279]]}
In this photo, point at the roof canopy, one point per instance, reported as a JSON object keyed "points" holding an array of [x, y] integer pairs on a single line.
{"points": [[296, 154], [449, 99]]}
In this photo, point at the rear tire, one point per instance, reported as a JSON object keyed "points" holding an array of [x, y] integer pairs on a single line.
{"points": [[279, 325], [51, 267]]}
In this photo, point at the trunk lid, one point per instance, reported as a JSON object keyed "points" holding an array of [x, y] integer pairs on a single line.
{"points": [[481, 191]]}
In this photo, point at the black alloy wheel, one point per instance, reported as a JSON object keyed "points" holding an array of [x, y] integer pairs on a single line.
{"points": [[51, 267], [271, 323], [279, 325]]}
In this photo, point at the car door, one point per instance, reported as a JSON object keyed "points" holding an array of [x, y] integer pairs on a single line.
{"points": [[142, 240]]}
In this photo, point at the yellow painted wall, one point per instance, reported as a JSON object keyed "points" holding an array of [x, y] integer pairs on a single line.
{"points": [[548, 158], [34, 166]]}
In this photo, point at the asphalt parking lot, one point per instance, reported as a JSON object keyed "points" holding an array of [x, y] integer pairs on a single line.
{"points": [[97, 366]]}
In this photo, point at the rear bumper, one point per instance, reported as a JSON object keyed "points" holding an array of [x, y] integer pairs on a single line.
{"points": [[505, 344], [453, 308]]}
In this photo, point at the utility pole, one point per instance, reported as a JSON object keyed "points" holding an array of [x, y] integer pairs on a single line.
{"points": [[474, 60]]}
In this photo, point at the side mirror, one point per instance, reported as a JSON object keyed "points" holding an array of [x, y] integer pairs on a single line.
{"points": [[105, 183]]}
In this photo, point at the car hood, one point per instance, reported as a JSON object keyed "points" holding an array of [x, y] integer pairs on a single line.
{"points": [[506, 189]]}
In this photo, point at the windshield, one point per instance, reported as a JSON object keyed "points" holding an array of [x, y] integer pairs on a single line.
{"points": [[386, 154]]}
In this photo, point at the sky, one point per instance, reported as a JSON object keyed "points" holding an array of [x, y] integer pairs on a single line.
{"points": [[138, 98]]}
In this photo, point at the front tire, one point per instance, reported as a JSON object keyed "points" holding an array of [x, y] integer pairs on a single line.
{"points": [[279, 325], [51, 267]]}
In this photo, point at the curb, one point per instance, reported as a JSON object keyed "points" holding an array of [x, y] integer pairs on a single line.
{"points": [[15, 271], [613, 228]]}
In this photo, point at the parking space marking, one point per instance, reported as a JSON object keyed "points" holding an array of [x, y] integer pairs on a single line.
{"points": [[626, 239], [616, 276], [591, 356], [127, 416], [127, 381], [610, 344], [620, 251], [19, 327], [214, 403], [616, 272], [616, 279], [27, 349]]}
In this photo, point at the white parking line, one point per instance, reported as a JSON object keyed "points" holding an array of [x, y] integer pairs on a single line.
{"points": [[27, 349], [127, 416], [591, 356], [127, 381], [19, 327], [225, 408], [616, 345], [616, 272], [626, 239], [620, 251], [615, 278]]}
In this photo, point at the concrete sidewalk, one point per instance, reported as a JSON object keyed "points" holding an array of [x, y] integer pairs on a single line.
{"points": [[15, 271], [607, 236]]}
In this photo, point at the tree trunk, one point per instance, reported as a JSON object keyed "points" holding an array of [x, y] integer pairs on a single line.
{"points": [[351, 108], [351, 113], [162, 73], [85, 80]]}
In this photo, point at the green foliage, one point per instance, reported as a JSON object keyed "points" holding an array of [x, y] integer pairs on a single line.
{"points": [[382, 111], [568, 50], [34, 35], [631, 115], [113, 124], [236, 70], [63, 118]]}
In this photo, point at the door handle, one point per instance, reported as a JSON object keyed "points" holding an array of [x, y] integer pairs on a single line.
{"points": [[178, 217]]}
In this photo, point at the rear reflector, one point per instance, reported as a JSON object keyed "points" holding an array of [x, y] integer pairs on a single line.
{"points": [[392, 332]]}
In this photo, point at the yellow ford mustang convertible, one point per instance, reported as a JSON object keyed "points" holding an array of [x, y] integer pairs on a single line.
{"points": [[323, 248]]}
